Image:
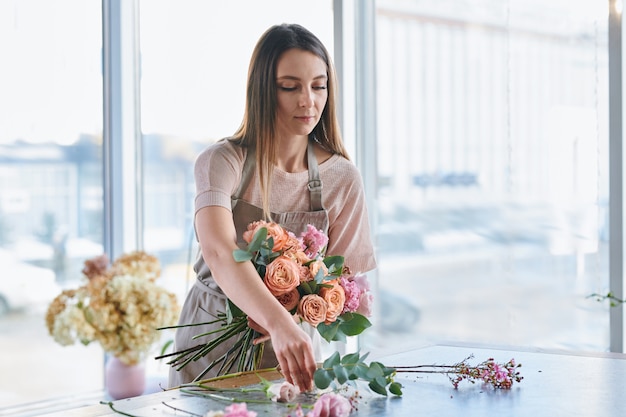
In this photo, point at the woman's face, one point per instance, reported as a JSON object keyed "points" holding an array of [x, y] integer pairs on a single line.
{"points": [[302, 83]]}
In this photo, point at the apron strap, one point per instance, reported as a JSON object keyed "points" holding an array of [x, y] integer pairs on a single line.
{"points": [[315, 184]]}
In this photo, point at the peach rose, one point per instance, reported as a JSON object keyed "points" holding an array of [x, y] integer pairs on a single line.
{"points": [[290, 299], [335, 298], [312, 309], [274, 230], [316, 265], [282, 275], [305, 275]]}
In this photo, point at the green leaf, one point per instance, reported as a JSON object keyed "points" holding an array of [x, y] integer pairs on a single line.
{"points": [[395, 388], [332, 360], [322, 378], [305, 286], [375, 371], [334, 264], [257, 240], [350, 358], [340, 373], [353, 324], [361, 371], [241, 255], [319, 277], [330, 332], [377, 387]]}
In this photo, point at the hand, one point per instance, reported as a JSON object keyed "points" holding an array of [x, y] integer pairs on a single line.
{"points": [[265, 335], [294, 352]]}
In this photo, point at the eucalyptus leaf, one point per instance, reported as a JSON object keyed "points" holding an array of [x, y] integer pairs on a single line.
{"points": [[332, 360], [350, 358], [334, 264], [258, 239], [241, 255], [329, 331], [322, 378], [378, 388], [395, 388], [353, 324], [375, 371], [340, 373]]}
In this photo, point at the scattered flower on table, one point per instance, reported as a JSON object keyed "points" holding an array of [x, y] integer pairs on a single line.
{"points": [[282, 392], [233, 410]]}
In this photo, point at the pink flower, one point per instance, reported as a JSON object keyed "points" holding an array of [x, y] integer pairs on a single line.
{"points": [[238, 410], [353, 295], [500, 373], [362, 282], [282, 393], [365, 304], [313, 241], [331, 405]]}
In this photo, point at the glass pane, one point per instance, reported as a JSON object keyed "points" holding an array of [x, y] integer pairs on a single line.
{"points": [[50, 188], [193, 80], [492, 143]]}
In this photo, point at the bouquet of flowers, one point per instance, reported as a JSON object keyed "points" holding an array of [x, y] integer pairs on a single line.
{"points": [[120, 306], [317, 289]]}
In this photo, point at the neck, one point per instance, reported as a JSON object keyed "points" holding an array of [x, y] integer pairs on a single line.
{"points": [[292, 155]]}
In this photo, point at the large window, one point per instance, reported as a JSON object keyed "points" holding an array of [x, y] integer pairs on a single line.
{"points": [[50, 188], [493, 172]]}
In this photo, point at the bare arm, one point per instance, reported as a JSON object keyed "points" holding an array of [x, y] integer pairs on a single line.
{"points": [[242, 285]]}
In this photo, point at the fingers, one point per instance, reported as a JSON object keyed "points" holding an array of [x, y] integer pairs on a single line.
{"points": [[298, 365], [261, 339]]}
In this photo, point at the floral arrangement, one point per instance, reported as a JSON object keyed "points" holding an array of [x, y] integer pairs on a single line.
{"points": [[317, 289], [120, 306]]}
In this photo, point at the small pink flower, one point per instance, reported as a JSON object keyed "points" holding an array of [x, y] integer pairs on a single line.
{"points": [[238, 410], [282, 393], [500, 373], [353, 295], [331, 405], [362, 282], [313, 241]]}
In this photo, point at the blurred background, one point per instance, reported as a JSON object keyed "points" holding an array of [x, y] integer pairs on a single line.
{"points": [[486, 165]]}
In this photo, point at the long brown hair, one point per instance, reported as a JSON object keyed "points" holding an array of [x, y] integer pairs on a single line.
{"points": [[258, 126]]}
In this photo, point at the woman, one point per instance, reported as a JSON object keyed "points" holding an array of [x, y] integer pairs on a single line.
{"points": [[285, 163]]}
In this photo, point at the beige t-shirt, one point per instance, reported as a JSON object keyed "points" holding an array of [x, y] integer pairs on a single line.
{"points": [[218, 173]]}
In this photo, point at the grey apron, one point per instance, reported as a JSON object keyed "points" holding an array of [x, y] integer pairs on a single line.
{"points": [[205, 299]]}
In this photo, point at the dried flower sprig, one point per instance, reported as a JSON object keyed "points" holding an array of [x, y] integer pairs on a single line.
{"points": [[497, 375]]}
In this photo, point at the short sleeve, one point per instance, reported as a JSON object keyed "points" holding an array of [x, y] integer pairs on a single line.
{"points": [[217, 172], [349, 230]]}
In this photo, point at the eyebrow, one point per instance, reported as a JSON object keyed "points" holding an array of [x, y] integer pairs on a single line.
{"points": [[291, 77]]}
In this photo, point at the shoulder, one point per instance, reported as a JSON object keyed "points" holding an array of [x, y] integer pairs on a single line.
{"points": [[341, 168], [221, 152]]}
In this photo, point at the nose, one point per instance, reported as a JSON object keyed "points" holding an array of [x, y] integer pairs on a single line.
{"points": [[306, 98]]}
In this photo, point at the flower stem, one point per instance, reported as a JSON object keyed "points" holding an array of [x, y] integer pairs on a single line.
{"points": [[110, 404]]}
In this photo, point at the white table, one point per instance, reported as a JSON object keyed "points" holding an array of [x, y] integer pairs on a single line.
{"points": [[555, 384]]}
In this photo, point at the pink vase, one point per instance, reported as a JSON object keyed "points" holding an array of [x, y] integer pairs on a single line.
{"points": [[124, 381]]}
